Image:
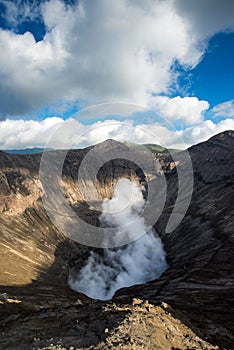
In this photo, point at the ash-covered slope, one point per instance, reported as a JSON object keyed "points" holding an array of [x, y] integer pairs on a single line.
{"points": [[190, 306]]}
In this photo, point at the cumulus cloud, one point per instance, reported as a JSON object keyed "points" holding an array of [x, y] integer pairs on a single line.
{"points": [[225, 110], [207, 17], [205, 130], [16, 134], [106, 51], [188, 109], [31, 133]]}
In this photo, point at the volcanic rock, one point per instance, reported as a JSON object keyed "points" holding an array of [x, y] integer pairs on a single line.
{"points": [[188, 307]]}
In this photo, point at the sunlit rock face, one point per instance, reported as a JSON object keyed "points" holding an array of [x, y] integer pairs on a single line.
{"points": [[194, 295]]}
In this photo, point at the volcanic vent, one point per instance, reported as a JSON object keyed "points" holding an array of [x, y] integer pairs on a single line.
{"points": [[138, 262]]}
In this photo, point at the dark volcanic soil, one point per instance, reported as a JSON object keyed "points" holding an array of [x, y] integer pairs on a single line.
{"points": [[189, 307]]}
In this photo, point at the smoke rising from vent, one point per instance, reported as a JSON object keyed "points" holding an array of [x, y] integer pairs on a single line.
{"points": [[138, 262]]}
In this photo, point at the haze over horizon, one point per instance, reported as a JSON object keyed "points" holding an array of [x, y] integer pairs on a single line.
{"points": [[162, 60]]}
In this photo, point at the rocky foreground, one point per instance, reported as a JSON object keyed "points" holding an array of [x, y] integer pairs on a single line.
{"points": [[189, 307]]}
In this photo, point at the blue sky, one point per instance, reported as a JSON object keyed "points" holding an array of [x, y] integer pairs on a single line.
{"points": [[174, 58], [213, 78]]}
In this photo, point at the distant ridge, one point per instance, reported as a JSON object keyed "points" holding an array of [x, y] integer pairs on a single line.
{"points": [[25, 150], [152, 147]]}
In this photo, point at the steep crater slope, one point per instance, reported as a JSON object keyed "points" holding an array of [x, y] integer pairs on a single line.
{"points": [[193, 299]]}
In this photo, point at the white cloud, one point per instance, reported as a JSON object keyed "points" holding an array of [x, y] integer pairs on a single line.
{"points": [[188, 109], [225, 109], [26, 133], [31, 133], [105, 51], [205, 130], [207, 17]]}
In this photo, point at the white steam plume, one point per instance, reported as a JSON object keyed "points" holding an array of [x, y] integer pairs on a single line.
{"points": [[138, 262]]}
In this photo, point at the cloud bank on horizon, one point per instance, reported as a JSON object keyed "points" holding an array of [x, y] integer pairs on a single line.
{"points": [[33, 133], [107, 51]]}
